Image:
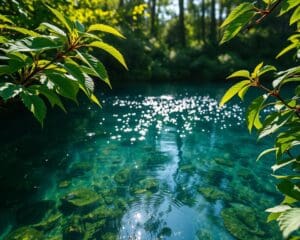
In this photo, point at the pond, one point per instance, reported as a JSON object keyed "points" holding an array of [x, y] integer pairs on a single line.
{"points": [[154, 163]]}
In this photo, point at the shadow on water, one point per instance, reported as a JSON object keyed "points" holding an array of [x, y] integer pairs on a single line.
{"points": [[154, 163]]}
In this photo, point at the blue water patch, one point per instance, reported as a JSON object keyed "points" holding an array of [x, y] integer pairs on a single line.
{"points": [[145, 166]]}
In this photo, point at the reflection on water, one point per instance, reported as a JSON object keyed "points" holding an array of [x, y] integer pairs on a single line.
{"points": [[144, 167]]}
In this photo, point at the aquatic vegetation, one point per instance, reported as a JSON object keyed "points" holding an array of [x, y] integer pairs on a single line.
{"points": [[213, 194], [123, 176], [241, 221], [25, 233], [49, 222], [80, 199]]}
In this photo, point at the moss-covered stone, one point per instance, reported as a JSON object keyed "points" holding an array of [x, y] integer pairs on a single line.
{"points": [[188, 168], [213, 194], [49, 222], [109, 236], [241, 222], [64, 184], [98, 214], [123, 176], [25, 233], [80, 198], [204, 235], [224, 162]]}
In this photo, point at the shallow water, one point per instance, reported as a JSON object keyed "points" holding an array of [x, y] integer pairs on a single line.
{"points": [[166, 163]]}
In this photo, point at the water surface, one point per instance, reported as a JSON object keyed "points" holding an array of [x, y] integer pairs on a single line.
{"points": [[166, 163]]}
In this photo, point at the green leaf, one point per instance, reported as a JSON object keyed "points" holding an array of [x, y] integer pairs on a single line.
{"points": [[265, 69], [95, 66], [5, 19], [272, 124], [94, 99], [75, 71], [20, 30], [44, 43], [257, 69], [281, 165], [106, 29], [252, 115], [109, 49], [273, 216], [65, 86], [236, 26], [265, 152], [35, 104], [240, 73], [278, 209], [3, 39], [54, 29], [64, 20], [289, 189], [9, 90], [295, 16], [237, 12], [287, 49], [231, 92], [243, 91], [287, 5], [52, 97], [289, 221]]}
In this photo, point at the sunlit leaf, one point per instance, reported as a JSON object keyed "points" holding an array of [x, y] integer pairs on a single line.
{"points": [[64, 20], [9, 90], [106, 29], [231, 92], [278, 209], [20, 30], [295, 16], [240, 73], [289, 221], [265, 152], [252, 115], [109, 49], [237, 12]]}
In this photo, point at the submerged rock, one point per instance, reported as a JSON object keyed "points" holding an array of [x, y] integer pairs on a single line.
{"points": [[213, 194], [64, 184], [80, 198], [224, 162], [49, 223], [188, 168], [147, 185], [204, 235], [98, 214], [109, 236], [25, 233], [241, 221], [123, 176]]}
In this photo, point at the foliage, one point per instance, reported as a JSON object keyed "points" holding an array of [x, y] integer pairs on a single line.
{"points": [[52, 61], [282, 117]]}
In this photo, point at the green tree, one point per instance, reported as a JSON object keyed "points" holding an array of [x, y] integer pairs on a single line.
{"points": [[283, 118]]}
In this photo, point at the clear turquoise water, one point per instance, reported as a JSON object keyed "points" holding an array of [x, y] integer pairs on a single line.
{"points": [[175, 138]]}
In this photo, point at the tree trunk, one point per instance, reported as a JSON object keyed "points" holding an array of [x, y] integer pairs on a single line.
{"points": [[153, 27], [213, 24], [203, 20], [181, 23], [121, 3]]}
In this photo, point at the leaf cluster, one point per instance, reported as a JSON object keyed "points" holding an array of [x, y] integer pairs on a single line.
{"points": [[282, 118], [52, 62]]}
